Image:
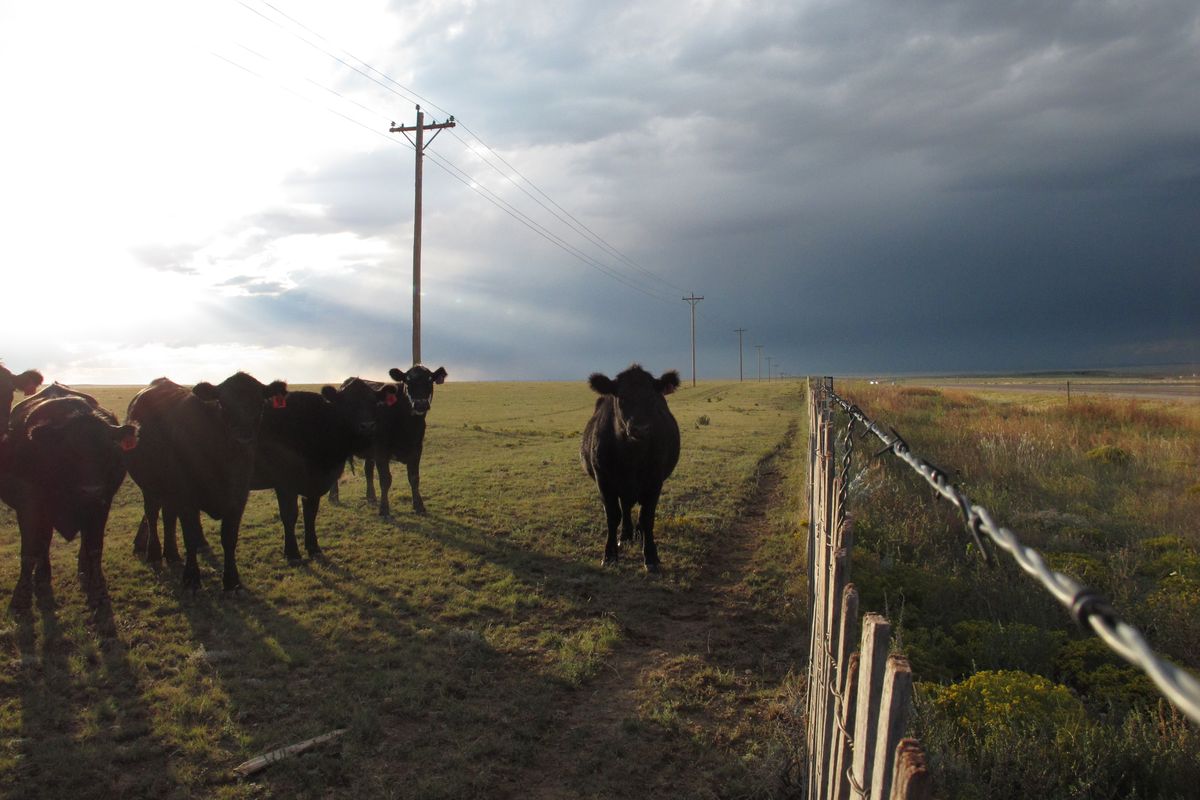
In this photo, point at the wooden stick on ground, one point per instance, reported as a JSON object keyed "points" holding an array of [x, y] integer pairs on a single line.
{"points": [[259, 763]]}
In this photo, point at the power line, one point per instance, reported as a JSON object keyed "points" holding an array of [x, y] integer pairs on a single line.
{"points": [[408, 94]]}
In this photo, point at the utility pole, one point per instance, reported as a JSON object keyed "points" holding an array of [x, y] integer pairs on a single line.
{"points": [[420, 144], [768, 369], [759, 347], [739, 332], [693, 300]]}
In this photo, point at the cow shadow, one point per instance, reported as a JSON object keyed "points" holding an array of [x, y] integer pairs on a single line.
{"points": [[83, 715]]}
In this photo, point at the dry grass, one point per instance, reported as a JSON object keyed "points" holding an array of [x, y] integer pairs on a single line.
{"points": [[1104, 488]]}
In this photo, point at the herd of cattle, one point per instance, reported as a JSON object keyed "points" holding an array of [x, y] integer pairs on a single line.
{"points": [[202, 450]]}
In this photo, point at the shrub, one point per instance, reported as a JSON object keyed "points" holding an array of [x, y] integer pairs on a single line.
{"points": [[702, 420], [1110, 454], [1007, 703]]}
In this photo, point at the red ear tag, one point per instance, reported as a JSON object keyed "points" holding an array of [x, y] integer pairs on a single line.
{"points": [[391, 399], [129, 442], [279, 401]]}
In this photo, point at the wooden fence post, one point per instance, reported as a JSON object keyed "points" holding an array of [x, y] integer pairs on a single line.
{"points": [[893, 717], [875, 636], [910, 780]]}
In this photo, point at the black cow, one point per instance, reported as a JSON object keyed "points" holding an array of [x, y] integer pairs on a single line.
{"points": [[197, 454], [27, 382], [303, 447], [629, 447], [62, 468], [399, 434]]}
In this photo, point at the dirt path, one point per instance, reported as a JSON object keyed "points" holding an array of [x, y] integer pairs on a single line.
{"points": [[712, 642]]}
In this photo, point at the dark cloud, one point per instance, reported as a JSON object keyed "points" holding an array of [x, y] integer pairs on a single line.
{"points": [[866, 186]]}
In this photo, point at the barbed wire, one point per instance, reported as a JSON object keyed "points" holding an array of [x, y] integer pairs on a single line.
{"points": [[1088, 607]]}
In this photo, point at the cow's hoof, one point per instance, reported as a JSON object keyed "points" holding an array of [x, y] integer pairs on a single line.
{"points": [[316, 553], [609, 561], [653, 569], [419, 511]]}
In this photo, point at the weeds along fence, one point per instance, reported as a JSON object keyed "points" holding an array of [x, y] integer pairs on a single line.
{"points": [[858, 699], [858, 702]]}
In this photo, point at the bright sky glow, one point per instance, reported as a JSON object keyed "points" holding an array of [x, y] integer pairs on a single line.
{"points": [[191, 190]]}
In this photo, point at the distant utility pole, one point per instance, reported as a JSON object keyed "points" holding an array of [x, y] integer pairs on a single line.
{"points": [[739, 332], [759, 347], [420, 144], [693, 300], [768, 369]]}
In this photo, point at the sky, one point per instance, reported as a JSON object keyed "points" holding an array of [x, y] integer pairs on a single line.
{"points": [[863, 186]]}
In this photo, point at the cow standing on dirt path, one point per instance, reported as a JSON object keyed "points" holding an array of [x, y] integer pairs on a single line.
{"points": [[302, 449], [62, 467], [399, 435], [630, 447], [196, 454]]}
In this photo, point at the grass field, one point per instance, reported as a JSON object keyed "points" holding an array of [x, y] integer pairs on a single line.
{"points": [[479, 651], [1012, 699]]}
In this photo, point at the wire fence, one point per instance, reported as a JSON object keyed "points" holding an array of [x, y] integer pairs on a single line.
{"points": [[1089, 608], [858, 699]]}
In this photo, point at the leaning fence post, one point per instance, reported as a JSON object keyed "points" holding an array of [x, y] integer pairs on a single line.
{"points": [[846, 680], [893, 718], [876, 633], [910, 780]]}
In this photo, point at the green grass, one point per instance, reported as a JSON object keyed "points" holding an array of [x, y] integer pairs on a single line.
{"points": [[1103, 489], [450, 646]]}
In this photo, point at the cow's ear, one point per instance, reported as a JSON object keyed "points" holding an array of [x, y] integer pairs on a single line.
{"points": [[397, 374], [28, 381], [388, 393], [668, 383], [602, 384], [124, 435], [205, 391], [440, 375], [329, 393], [275, 389]]}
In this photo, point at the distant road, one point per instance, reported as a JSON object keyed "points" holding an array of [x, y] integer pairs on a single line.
{"points": [[1145, 390]]}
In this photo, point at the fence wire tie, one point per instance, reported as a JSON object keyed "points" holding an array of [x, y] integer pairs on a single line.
{"points": [[972, 523], [1088, 602]]}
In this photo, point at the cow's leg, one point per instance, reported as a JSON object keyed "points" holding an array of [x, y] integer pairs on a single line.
{"points": [[333, 490], [369, 472], [171, 541], [627, 530], [385, 486], [612, 516], [91, 563], [311, 506], [230, 525], [189, 520], [414, 480], [288, 514], [146, 542], [22, 598], [646, 524]]}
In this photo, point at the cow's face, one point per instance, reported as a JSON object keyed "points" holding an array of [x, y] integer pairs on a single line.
{"points": [[242, 399], [81, 453], [355, 402], [639, 397], [27, 382], [418, 382]]}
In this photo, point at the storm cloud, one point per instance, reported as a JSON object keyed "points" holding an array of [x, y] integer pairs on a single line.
{"points": [[866, 186]]}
